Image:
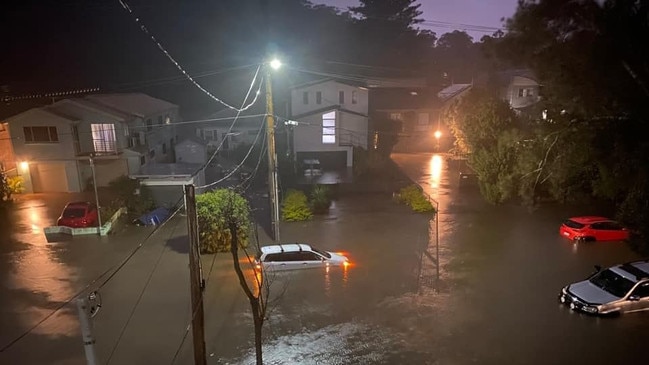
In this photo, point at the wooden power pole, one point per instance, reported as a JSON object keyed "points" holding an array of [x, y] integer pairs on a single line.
{"points": [[272, 156], [198, 330]]}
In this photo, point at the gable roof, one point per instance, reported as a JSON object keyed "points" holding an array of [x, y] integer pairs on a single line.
{"points": [[329, 79], [329, 108], [137, 104], [452, 90]]}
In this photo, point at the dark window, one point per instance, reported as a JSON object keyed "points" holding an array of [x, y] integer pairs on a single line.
{"points": [[305, 97], [573, 224], [323, 253], [151, 153], [598, 225], [149, 125], [642, 290], [318, 97], [308, 256], [74, 213], [142, 160], [341, 97], [171, 143], [40, 134], [273, 257]]}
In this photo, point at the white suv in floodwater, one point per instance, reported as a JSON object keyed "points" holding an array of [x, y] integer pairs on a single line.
{"points": [[617, 289], [291, 256]]}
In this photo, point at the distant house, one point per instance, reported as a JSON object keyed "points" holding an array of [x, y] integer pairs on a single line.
{"points": [[332, 119], [221, 128], [520, 88], [120, 132], [416, 113], [191, 150]]}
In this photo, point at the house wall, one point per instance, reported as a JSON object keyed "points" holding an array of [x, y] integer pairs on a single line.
{"points": [[241, 135], [350, 130], [513, 92], [191, 152], [7, 158], [330, 97]]}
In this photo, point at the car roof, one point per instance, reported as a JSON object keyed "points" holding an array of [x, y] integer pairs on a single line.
{"points": [[285, 247], [77, 204], [587, 219], [634, 271]]}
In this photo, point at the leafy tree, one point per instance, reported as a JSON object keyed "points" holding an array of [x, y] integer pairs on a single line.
{"points": [[216, 210]]}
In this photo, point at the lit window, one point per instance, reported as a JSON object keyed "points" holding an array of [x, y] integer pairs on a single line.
{"points": [[103, 137], [395, 116], [318, 97], [329, 127]]}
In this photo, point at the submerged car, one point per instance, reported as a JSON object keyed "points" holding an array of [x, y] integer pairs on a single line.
{"points": [[615, 290], [593, 228], [79, 215], [296, 256]]}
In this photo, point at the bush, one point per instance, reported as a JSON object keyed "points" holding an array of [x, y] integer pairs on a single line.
{"points": [[415, 198], [216, 210], [106, 212], [320, 198], [15, 184], [126, 190], [295, 207]]}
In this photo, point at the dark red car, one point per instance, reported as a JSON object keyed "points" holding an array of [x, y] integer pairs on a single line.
{"points": [[592, 228], [78, 215]]}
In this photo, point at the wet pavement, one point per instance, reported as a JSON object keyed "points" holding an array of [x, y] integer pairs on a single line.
{"points": [[501, 268]]}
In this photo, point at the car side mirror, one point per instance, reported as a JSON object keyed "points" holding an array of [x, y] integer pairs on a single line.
{"points": [[598, 268], [634, 298]]}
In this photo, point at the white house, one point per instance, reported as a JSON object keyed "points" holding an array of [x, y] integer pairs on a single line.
{"points": [[519, 88], [332, 118], [54, 144], [191, 150]]}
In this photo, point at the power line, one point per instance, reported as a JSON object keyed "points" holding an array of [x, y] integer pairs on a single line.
{"points": [[173, 60]]}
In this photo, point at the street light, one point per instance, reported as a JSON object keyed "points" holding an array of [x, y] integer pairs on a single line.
{"points": [[272, 155], [94, 184]]}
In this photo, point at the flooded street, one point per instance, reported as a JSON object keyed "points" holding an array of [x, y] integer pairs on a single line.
{"points": [[500, 270]]}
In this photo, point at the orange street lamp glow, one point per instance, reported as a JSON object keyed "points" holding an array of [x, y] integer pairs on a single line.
{"points": [[438, 134]]}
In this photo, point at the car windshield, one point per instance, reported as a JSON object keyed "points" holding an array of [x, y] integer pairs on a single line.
{"points": [[74, 213], [323, 253], [572, 224], [612, 283]]}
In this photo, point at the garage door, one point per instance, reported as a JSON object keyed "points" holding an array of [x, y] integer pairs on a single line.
{"points": [[49, 177], [330, 160]]}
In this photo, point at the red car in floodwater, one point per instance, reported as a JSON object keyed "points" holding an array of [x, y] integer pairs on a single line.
{"points": [[593, 228], [78, 215]]}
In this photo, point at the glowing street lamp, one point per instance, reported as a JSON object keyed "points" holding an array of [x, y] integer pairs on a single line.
{"points": [[275, 64], [438, 135]]}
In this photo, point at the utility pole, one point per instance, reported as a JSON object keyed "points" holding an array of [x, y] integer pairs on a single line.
{"points": [[94, 184], [272, 155], [86, 331], [195, 280]]}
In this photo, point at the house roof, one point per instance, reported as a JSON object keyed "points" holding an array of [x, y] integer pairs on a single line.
{"points": [[70, 108], [453, 90], [371, 82], [402, 99], [41, 110], [329, 79], [137, 104], [329, 108]]}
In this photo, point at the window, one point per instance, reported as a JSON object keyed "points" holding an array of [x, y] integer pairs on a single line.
{"points": [[525, 92], [40, 134], [142, 160], [103, 137], [329, 127], [318, 97], [642, 290], [160, 120], [396, 116], [126, 131], [167, 119], [151, 154], [305, 98], [164, 148], [149, 125], [354, 97], [423, 119], [341, 97]]}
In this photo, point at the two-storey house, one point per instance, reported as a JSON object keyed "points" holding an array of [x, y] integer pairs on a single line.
{"points": [[113, 134], [332, 119]]}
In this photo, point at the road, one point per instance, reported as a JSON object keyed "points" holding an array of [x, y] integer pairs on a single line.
{"points": [[501, 268]]}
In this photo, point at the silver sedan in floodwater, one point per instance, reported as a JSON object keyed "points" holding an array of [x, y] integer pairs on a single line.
{"points": [[617, 289]]}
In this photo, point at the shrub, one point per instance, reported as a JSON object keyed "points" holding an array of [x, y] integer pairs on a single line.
{"points": [[15, 184], [107, 211], [216, 210], [126, 190], [295, 207], [415, 198], [320, 198]]}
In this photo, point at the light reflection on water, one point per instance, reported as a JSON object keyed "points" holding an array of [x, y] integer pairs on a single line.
{"points": [[38, 272]]}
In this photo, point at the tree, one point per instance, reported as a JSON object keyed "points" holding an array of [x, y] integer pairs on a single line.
{"points": [[215, 210], [228, 213], [388, 33]]}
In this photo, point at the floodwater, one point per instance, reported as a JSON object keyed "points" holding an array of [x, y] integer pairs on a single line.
{"points": [[493, 302]]}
